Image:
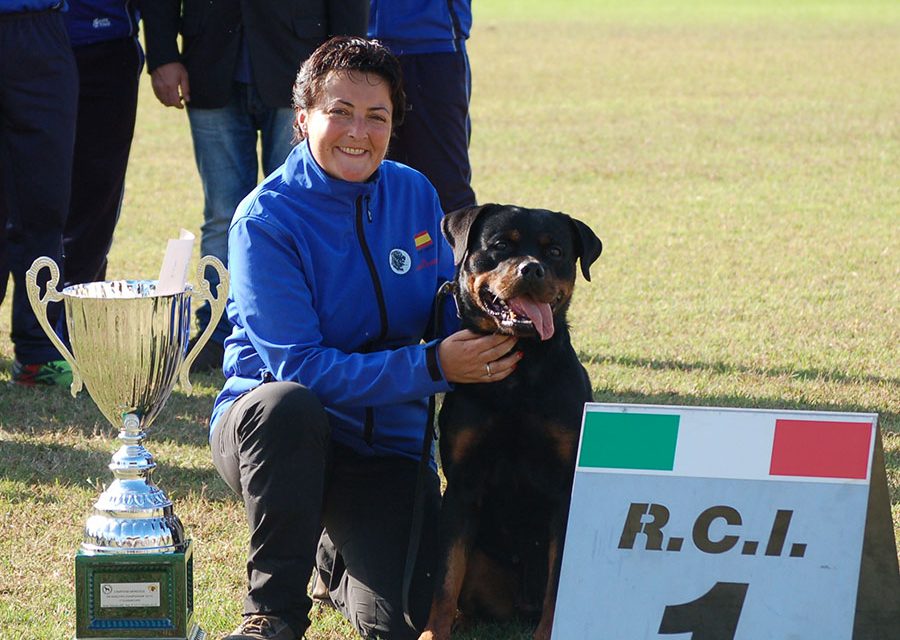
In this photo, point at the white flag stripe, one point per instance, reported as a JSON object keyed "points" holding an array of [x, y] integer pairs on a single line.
{"points": [[718, 444]]}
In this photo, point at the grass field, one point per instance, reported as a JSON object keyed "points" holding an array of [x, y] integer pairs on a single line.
{"points": [[740, 161]]}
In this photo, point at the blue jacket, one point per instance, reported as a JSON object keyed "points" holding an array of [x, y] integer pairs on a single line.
{"points": [[332, 285], [420, 26], [93, 21], [20, 6]]}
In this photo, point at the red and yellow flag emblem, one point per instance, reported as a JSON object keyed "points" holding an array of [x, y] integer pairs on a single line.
{"points": [[422, 240]]}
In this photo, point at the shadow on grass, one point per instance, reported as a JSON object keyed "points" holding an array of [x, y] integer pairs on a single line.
{"points": [[888, 420], [45, 421], [730, 400], [47, 410], [32, 464], [725, 368]]}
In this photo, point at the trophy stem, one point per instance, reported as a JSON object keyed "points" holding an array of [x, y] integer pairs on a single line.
{"points": [[133, 515], [132, 460]]}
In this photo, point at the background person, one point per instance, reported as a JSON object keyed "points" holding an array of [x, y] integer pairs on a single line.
{"points": [[323, 412], [429, 39], [38, 100], [104, 37], [235, 72]]}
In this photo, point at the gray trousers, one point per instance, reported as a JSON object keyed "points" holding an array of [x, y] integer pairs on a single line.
{"points": [[273, 448]]}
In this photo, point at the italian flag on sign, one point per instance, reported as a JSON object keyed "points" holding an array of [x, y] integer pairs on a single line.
{"points": [[726, 443]]}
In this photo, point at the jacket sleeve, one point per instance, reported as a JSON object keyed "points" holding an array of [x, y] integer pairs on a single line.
{"points": [[162, 19], [348, 17], [274, 304]]}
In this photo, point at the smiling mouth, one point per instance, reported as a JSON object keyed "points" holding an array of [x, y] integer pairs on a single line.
{"points": [[521, 314], [351, 151]]}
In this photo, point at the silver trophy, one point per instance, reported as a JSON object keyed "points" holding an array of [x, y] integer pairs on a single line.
{"points": [[134, 571]]}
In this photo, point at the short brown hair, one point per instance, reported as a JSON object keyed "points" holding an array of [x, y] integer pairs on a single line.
{"points": [[352, 54]]}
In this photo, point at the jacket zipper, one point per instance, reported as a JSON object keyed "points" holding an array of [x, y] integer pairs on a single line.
{"points": [[362, 203]]}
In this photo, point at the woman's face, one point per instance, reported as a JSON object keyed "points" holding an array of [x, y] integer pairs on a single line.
{"points": [[349, 129]]}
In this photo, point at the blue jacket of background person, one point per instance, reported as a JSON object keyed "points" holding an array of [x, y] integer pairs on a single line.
{"points": [[415, 26], [332, 286], [21, 6], [92, 21]]}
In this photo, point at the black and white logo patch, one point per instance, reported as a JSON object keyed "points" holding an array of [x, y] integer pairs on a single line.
{"points": [[400, 261]]}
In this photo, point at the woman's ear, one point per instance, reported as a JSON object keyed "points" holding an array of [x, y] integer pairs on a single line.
{"points": [[301, 122]]}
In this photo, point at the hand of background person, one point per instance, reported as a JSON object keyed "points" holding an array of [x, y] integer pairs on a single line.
{"points": [[170, 84], [470, 357]]}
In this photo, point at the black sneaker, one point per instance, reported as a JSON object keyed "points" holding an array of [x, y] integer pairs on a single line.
{"points": [[210, 358], [261, 627]]}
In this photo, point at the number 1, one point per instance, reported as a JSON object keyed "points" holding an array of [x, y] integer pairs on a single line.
{"points": [[712, 616]]}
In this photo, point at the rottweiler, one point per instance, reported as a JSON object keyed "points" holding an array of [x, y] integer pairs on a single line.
{"points": [[508, 448]]}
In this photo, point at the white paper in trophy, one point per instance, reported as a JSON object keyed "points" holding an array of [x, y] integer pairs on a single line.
{"points": [[173, 274]]}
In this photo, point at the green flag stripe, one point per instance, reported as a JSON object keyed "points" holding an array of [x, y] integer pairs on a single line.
{"points": [[629, 441]]}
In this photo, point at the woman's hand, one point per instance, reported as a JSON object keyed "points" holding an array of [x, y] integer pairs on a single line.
{"points": [[470, 357]]}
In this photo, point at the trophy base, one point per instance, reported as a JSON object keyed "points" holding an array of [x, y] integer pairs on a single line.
{"points": [[131, 596], [196, 633]]}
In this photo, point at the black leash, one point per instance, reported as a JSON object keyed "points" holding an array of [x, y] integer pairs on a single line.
{"points": [[430, 435]]}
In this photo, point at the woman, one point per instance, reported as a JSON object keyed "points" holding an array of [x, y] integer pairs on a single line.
{"points": [[335, 260]]}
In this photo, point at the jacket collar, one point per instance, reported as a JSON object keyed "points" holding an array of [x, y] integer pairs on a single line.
{"points": [[301, 171]]}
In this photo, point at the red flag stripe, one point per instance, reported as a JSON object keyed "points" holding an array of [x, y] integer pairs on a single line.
{"points": [[821, 449]]}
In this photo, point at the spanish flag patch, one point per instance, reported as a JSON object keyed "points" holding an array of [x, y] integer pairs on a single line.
{"points": [[422, 240]]}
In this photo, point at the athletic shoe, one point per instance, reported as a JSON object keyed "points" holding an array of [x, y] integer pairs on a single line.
{"points": [[259, 627], [54, 373]]}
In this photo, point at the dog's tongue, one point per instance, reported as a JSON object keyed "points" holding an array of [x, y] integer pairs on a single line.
{"points": [[538, 312]]}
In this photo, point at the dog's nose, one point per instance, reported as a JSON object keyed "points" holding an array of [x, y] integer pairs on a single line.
{"points": [[531, 270]]}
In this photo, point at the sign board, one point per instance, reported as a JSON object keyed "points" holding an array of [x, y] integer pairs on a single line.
{"points": [[692, 523]]}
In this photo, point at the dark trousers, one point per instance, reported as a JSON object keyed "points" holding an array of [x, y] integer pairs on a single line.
{"points": [[434, 136], [108, 75], [38, 94], [273, 448]]}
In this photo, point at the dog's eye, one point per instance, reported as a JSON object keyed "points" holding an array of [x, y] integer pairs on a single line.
{"points": [[554, 251], [500, 245]]}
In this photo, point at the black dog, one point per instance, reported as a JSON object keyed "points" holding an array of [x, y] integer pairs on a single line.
{"points": [[508, 448]]}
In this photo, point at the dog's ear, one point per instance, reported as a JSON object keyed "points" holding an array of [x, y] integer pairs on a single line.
{"points": [[587, 246], [455, 227]]}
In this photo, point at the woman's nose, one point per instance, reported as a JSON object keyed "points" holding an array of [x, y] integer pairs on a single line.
{"points": [[358, 128]]}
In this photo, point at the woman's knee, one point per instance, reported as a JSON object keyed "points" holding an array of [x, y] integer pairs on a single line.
{"points": [[284, 416]]}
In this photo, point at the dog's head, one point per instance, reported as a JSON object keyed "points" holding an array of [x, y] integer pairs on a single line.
{"points": [[517, 266]]}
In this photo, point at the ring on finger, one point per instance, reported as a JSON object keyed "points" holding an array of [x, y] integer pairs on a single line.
{"points": [[487, 368]]}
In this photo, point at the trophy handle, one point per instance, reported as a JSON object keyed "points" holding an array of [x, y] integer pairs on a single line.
{"points": [[40, 311], [217, 306]]}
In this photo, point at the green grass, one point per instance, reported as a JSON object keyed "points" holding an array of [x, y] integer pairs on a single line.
{"points": [[740, 161]]}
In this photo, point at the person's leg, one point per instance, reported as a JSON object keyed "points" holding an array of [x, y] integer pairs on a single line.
{"points": [[225, 151], [368, 514], [271, 447], [39, 93], [276, 129], [107, 103], [434, 136]]}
